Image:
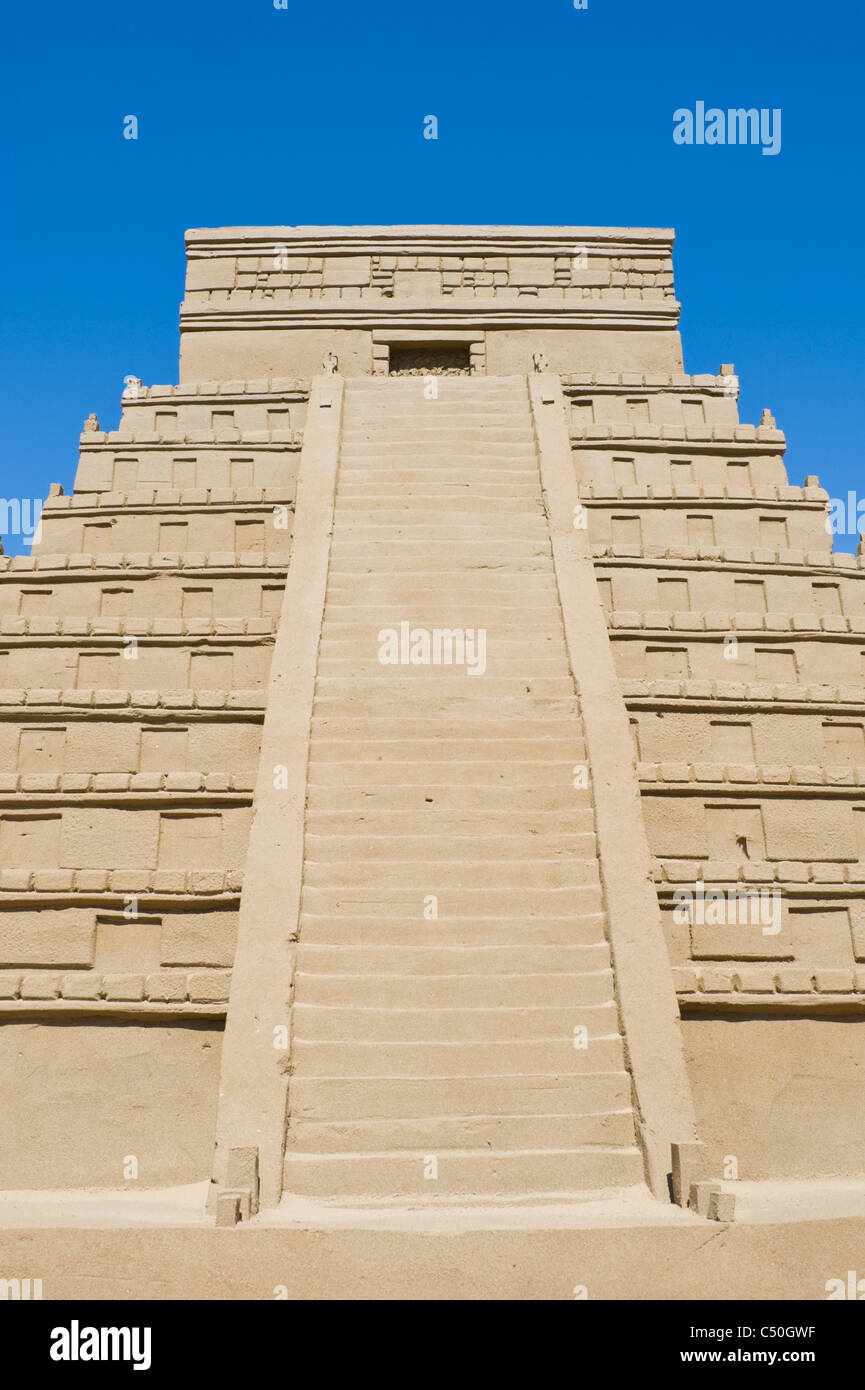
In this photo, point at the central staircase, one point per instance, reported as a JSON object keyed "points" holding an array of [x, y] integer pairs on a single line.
{"points": [[455, 1031]]}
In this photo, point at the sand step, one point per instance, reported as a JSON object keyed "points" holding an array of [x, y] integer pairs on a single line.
{"points": [[419, 427], [453, 991], [406, 772], [481, 522], [466, 751], [320, 1098], [520, 627], [472, 661], [399, 900], [447, 874], [414, 682], [498, 958], [427, 820], [529, 1024], [455, 1058], [444, 848], [425, 487], [496, 585], [420, 932], [365, 481], [431, 1134], [370, 729], [462, 1172], [443, 565], [465, 798], [466, 706]]}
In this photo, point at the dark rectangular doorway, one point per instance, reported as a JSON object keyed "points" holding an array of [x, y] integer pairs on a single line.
{"points": [[429, 359]]}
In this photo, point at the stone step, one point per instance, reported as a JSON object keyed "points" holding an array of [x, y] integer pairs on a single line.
{"points": [[516, 633], [402, 899], [416, 400], [418, 772], [496, 585], [432, 1134], [476, 800], [460, 960], [451, 1098], [501, 458], [407, 395], [502, 465], [443, 567], [514, 481], [473, 661], [470, 420], [523, 622], [419, 428], [440, 408], [530, 629], [436, 511], [463, 1173], [466, 707], [427, 532], [446, 1058], [329, 749], [447, 874], [540, 1023], [481, 518], [447, 728], [435, 411], [429, 820], [363, 656], [413, 403], [423, 436], [477, 849], [443, 409], [481, 521], [447, 552], [444, 550], [443, 513], [414, 683], [454, 991], [449, 929], [424, 489], [439, 417], [530, 619], [488, 448]]}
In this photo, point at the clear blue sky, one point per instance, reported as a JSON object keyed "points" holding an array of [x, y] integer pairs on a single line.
{"points": [[313, 114]]}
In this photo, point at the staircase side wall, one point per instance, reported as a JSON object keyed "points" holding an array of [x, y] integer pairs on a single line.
{"points": [[647, 1000], [256, 1050]]}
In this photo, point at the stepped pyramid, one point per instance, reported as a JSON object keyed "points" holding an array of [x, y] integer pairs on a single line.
{"points": [[432, 753]]}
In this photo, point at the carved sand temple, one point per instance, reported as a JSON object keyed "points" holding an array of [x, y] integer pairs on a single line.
{"points": [[432, 763]]}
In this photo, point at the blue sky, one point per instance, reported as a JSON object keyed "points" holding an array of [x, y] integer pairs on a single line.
{"points": [[313, 115]]}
